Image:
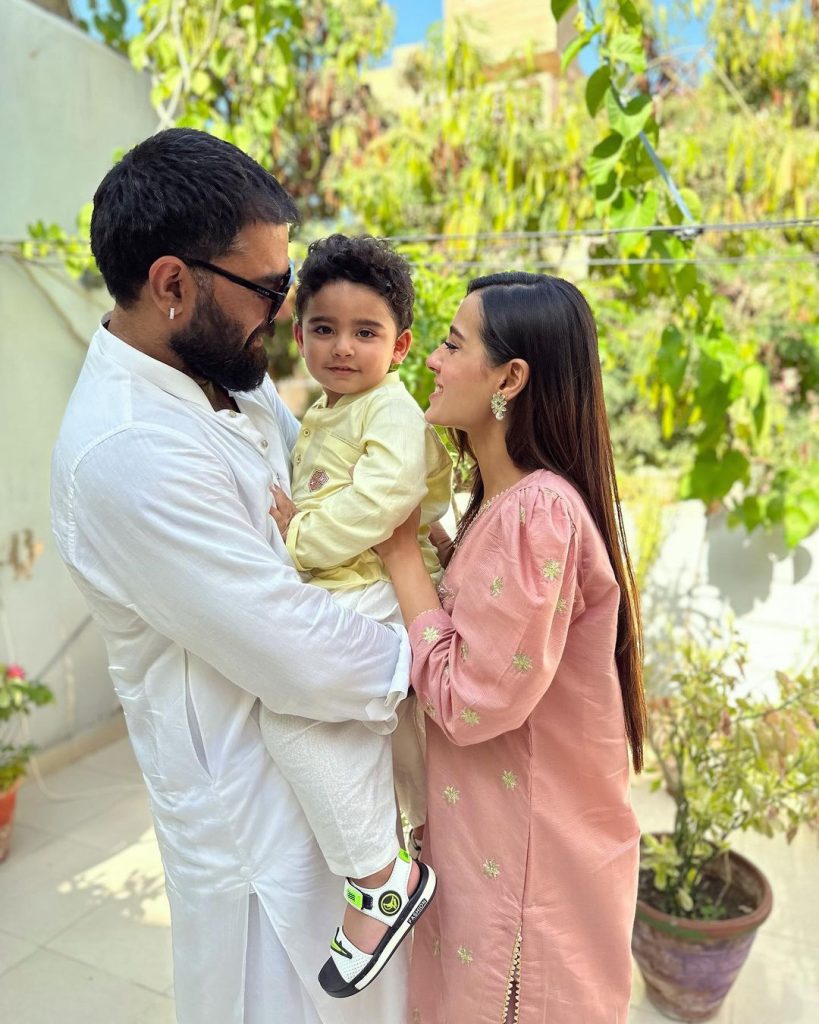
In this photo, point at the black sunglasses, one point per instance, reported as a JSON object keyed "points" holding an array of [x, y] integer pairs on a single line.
{"points": [[276, 295]]}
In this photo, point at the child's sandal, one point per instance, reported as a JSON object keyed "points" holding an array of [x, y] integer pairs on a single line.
{"points": [[349, 969]]}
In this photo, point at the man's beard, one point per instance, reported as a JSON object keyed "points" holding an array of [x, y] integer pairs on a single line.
{"points": [[214, 347]]}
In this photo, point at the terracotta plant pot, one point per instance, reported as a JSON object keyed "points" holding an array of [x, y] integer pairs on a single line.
{"points": [[8, 799], [689, 965]]}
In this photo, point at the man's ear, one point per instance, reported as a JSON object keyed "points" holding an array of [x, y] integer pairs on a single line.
{"points": [[402, 347], [171, 287], [298, 334]]}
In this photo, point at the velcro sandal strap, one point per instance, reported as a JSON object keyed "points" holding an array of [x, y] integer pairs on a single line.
{"points": [[385, 902], [356, 897]]}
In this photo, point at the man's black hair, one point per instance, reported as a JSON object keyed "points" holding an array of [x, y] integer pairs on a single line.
{"points": [[179, 193], [363, 260]]}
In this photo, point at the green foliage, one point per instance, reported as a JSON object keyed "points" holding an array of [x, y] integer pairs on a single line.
{"points": [[711, 369], [282, 79], [730, 762], [768, 49], [468, 156], [18, 696], [706, 384]]}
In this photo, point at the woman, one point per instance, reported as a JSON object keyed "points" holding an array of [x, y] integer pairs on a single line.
{"points": [[527, 662]]}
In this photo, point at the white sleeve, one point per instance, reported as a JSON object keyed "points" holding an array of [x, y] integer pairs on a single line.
{"points": [[159, 527]]}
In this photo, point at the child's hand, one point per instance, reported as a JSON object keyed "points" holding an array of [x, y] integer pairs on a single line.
{"points": [[282, 510], [404, 540], [443, 543]]}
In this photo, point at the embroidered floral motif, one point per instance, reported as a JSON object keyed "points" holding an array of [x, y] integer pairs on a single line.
{"points": [[452, 795], [552, 570], [465, 955], [562, 606], [317, 480], [436, 946], [470, 717], [496, 586], [416, 1016], [491, 868], [510, 780], [464, 651], [522, 662], [522, 513], [429, 707], [430, 634]]}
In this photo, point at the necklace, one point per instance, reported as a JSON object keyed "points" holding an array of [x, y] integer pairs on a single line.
{"points": [[484, 506]]}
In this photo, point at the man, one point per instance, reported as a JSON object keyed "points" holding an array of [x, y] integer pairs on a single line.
{"points": [[160, 495]]}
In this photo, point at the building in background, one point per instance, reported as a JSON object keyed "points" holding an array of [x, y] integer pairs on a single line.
{"points": [[523, 35]]}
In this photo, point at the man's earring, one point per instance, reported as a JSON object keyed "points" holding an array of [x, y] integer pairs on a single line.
{"points": [[171, 313], [498, 403]]}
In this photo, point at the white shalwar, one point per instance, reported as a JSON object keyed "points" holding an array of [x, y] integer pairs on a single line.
{"points": [[160, 511], [342, 772]]}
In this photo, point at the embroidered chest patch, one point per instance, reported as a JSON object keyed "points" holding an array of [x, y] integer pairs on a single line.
{"points": [[317, 480]]}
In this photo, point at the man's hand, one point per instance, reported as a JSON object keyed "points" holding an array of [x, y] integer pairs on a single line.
{"points": [[282, 510]]}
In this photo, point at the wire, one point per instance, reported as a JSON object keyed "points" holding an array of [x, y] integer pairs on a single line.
{"points": [[11, 246], [641, 261], [721, 226]]}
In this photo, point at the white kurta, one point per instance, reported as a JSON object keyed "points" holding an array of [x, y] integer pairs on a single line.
{"points": [[160, 510]]}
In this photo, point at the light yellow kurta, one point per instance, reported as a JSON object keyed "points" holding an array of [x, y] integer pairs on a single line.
{"points": [[359, 469]]}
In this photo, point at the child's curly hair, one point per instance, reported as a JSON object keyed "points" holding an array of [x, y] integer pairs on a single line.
{"points": [[363, 260]]}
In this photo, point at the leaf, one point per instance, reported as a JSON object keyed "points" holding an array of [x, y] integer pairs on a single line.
{"points": [[596, 88], [603, 158], [754, 382], [630, 120], [559, 8], [673, 357], [629, 210], [711, 478], [629, 50], [577, 44], [629, 13]]}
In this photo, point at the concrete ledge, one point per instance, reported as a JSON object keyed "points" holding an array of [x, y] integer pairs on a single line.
{"points": [[86, 742]]}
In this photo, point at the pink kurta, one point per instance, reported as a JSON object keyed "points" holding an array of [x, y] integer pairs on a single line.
{"points": [[530, 826]]}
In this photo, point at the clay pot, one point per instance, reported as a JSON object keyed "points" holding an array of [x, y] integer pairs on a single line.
{"points": [[8, 799], [690, 965]]}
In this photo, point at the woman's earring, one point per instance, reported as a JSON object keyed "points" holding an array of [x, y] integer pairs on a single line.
{"points": [[498, 403], [171, 313]]}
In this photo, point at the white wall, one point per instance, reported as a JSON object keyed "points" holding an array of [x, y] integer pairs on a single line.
{"points": [[66, 104], [706, 571]]}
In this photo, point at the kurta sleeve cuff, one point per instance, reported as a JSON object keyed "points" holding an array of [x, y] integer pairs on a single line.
{"points": [[428, 627], [292, 540]]}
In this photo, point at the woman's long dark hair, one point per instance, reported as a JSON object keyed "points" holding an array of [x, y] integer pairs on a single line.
{"points": [[559, 422]]}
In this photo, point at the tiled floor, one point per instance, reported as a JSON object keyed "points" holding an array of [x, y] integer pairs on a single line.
{"points": [[84, 931]]}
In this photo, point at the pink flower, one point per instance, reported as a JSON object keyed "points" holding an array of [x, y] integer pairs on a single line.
{"points": [[15, 672]]}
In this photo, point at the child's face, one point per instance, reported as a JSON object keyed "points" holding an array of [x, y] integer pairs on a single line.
{"points": [[349, 339]]}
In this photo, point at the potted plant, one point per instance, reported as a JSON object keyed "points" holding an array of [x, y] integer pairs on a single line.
{"points": [[731, 762], [17, 697]]}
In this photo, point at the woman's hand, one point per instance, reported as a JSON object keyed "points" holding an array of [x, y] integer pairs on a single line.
{"points": [[282, 510], [403, 542], [404, 561]]}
